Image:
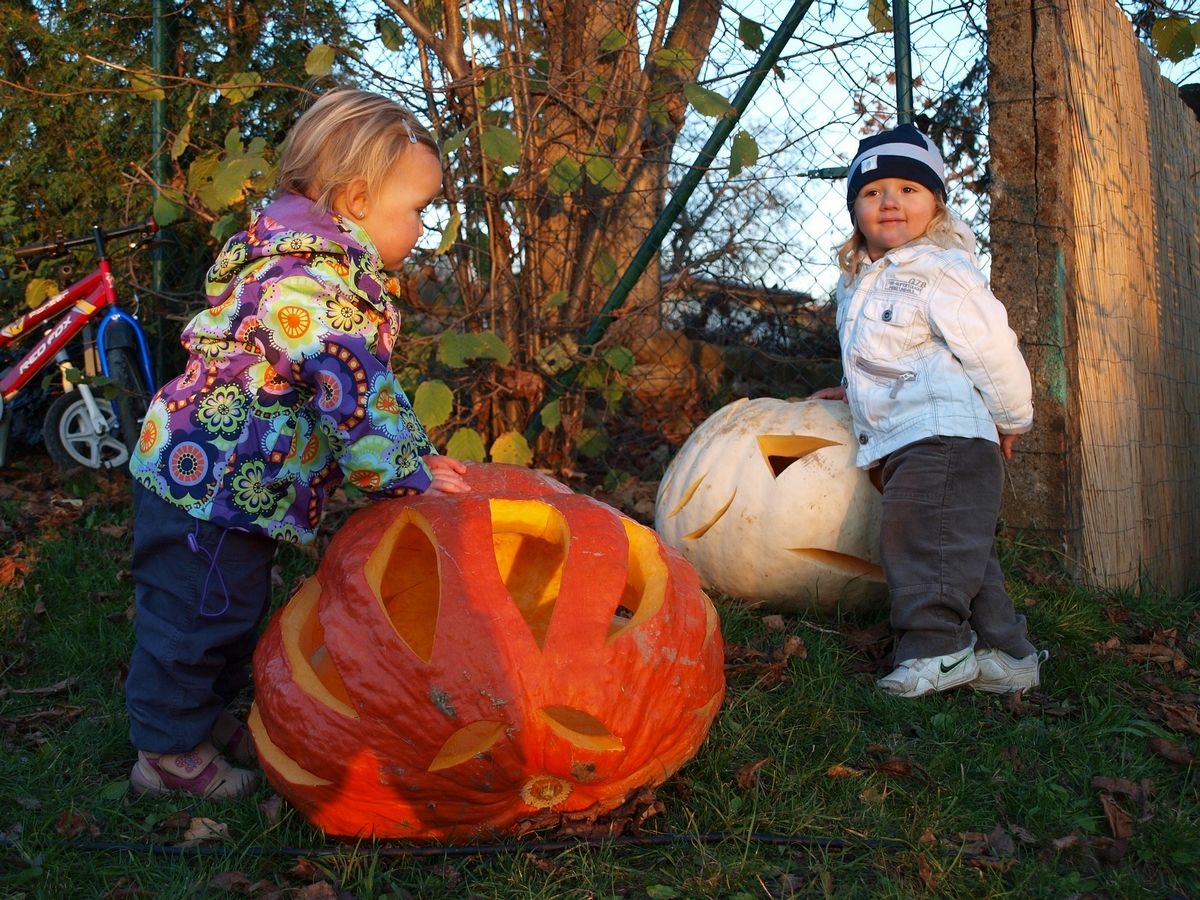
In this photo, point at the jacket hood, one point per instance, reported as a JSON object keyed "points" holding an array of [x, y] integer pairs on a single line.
{"points": [[293, 226]]}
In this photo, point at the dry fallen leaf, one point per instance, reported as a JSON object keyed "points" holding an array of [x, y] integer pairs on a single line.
{"points": [[837, 771], [1000, 843], [72, 824], [747, 775], [1171, 751], [926, 875], [272, 808], [201, 829], [1120, 823], [773, 623]]}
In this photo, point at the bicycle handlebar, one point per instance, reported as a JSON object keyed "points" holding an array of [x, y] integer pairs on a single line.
{"points": [[57, 246]]}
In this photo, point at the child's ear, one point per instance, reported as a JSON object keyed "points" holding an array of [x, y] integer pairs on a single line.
{"points": [[352, 199]]}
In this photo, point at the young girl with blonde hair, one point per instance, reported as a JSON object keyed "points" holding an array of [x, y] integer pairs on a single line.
{"points": [[287, 391], [938, 392]]}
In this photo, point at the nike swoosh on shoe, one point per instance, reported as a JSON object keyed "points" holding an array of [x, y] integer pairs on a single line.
{"points": [[957, 663]]}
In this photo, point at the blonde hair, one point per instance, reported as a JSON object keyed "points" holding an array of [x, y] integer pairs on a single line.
{"points": [[346, 135], [945, 229]]}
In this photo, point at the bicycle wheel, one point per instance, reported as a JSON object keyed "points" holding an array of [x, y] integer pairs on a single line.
{"points": [[133, 395], [72, 440]]}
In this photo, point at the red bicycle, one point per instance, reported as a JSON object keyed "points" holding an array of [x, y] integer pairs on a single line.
{"points": [[81, 427]]}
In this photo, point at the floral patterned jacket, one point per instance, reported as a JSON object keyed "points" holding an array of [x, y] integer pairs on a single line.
{"points": [[288, 388]]}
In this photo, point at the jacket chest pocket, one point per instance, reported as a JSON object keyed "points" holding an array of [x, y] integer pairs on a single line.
{"points": [[890, 327]]}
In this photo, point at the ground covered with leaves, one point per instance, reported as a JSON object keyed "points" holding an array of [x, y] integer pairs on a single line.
{"points": [[811, 784]]}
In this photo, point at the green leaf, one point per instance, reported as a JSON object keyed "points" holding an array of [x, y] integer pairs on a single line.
{"points": [[182, 138], [240, 87], [511, 447], [114, 790], [604, 267], [145, 85], [614, 40], [166, 210], [500, 145], [551, 415], [454, 349], [675, 58], [750, 32], [565, 175], [602, 173], [555, 300], [319, 61], [744, 152], [591, 442], [466, 444], [225, 227], [661, 892], [559, 356], [449, 235], [433, 403], [596, 90], [233, 142], [707, 103], [1173, 38], [39, 290], [455, 141], [495, 86], [879, 15], [389, 32], [619, 358]]}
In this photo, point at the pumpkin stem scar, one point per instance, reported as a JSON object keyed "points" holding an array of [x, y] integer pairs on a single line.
{"points": [[781, 450], [687, 496], [703, 529], [843, 563]]}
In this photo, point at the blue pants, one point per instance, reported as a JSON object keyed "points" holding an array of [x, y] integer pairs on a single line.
{"points": [[941, 500], [200, 593]]}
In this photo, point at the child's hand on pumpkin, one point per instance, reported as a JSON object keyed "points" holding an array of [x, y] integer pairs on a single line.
{"points": [[831, 393], [447, 474]]}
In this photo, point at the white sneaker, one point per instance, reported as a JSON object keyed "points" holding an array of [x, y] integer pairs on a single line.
{"points": [[1000, 673], [918, 677]]}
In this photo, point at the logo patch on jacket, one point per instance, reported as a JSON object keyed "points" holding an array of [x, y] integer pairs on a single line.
{"points": [[914, 287]]}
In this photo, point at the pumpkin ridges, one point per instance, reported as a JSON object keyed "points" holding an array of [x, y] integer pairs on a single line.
{"points": [[494, 671]]}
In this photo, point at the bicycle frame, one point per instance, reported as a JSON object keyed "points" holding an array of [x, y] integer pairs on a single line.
{"points": [[91, 299]]}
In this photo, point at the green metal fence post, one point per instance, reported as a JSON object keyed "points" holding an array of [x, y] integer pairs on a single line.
{"points": [[687, 186], [902, 41]]}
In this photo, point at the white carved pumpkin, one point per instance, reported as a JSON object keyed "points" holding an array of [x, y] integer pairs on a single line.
{"points": [[766, 503]]}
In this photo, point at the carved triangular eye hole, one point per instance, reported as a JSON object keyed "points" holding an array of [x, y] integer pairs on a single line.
{"points": [[530, 540], [467, 742], [579, 728], [781, 450]]}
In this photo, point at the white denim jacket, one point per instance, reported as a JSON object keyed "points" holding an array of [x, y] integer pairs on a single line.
{"points": [[926, 350]]}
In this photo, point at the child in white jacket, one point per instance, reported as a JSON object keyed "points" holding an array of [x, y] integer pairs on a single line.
{"points": [[938, 392]]}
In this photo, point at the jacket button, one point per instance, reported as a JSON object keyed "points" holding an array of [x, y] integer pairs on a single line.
{"points": [[887, 315], [862, 439], [845, 382]]}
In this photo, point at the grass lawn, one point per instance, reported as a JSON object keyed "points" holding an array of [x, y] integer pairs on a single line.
{"points": [[1086, 787]]}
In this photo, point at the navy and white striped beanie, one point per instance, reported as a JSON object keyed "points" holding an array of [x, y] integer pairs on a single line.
{"points": [[902, 152]]}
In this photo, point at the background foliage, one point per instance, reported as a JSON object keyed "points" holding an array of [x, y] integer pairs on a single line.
{"points": [[565, 126]]}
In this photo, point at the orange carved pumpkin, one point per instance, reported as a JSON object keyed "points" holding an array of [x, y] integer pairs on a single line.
{"points": [[461, 663]]}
